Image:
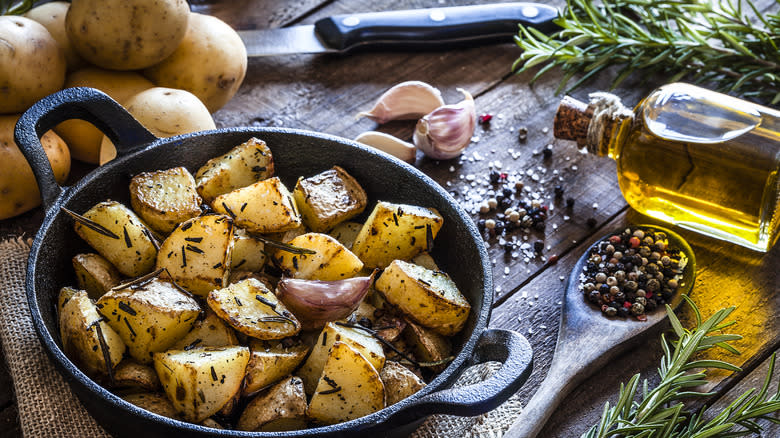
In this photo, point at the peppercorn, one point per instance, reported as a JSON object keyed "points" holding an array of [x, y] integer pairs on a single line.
{"points": [[547, 153], [539, 226], [538, 246], [637, 309], [494, 176], [485, 119], [611, 311], [481, 225], [591, 222], [505, 203], [508, 246], [594, 296], [522, 134], [499, 227], [507, 192], [570, 203]]}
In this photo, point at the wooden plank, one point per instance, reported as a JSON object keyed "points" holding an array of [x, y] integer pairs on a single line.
{"points": [[256, 14]]}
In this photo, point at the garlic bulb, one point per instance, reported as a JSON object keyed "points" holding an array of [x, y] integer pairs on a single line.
{"points": [[405, 101], [387, 143], [447, 130]]}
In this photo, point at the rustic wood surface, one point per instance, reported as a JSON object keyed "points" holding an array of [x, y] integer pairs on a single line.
{"points": [[323, 93]]}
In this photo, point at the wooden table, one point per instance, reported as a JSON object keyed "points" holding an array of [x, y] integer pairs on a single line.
{"points": [[324, 93]]}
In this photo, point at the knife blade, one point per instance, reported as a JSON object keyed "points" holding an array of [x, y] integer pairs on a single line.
{"points": [[416, 29]]}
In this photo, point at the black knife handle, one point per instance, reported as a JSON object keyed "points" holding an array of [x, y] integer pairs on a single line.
{"points": [[436, 28]]}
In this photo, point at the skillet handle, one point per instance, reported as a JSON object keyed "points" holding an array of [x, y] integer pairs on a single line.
{"points": [[88, 104], [506, 346]]}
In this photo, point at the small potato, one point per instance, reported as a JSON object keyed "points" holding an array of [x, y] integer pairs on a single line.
{"points": [[131, 375], [95, 274], [399, 382], [270, 361], [284, 401], [153, 402], [210, 62], [164, 198], [263, 207], [32, 64], [242, 166], [52, 17], [126, 34], [210, 331], [248, 252], [165, 112], [428, 346], [331, 260], [346, 232], [329, 198], [18, 189]]}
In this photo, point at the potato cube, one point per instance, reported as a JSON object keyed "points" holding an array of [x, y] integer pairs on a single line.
{"points": [[399, 382], [346, 232], [332, 261], [428, 297], [248, 252], [285, 402], [252, 309], [395, 231], [263, 207], [120, 236], [210, 331], [149, 317], [197, 254], [164, 198], [95, 274], [328, 198], [199, 382], [244, 165], [349, 388], [269, 362]]}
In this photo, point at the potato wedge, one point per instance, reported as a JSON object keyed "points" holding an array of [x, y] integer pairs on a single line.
{"points": [[211, 331], [332, 261], [244, 165], [120, 236], [270, 362], [283, 401], [328, 198], [349, 388], [87, 339], [263, 207], [197, 254], [248, 252], [153, 402], [346, 232], [428, 297], [427, 345], [395, 231], [95, 274], [149, 317], [164, 198], [200, 381], [252, 309], [426, 261], [131, 375], [358, 339], [399, 382], [66, 293]]}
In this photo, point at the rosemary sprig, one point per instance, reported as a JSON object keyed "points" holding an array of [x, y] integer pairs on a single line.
{"points": [[12, 7], [661, 412], [714, 42]]}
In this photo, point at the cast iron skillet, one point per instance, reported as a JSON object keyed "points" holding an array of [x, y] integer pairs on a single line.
{"points": [[459, 249]]}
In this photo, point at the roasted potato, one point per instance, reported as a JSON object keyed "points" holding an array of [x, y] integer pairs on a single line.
{"points": [[284, 404], [153, 402], [95, 274], [248, 252], [270, 362], [427, 345], [428, 297], [149, 317], [331, 261], [329, 198], [263, 207], [133, 376], [120, 236], [242, 166], [395, 231], [66, 293], [349, 388], [399, 382], [164, 198], [346, 232], [211, 331], [198, 252], [200, 381]]}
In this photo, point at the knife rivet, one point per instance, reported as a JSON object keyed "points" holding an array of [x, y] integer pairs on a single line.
{"points": [[350, 21], [437, 16], [530, 11]]}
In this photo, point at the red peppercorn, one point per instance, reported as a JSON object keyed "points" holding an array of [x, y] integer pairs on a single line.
{"points": [[648, 294], [553, 259], [485, 118], [545, 208], [626, 304], [614, 239], [641, 317], [504, 175], [634, 242]]}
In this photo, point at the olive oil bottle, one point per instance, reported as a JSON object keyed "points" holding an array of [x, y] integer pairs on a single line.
{"points": [[689, 156]]}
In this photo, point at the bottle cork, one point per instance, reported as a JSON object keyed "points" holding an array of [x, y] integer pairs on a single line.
{"points": [[572, 120]]}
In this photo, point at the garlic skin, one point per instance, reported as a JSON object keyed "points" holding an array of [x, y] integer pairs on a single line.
{"points": [[447, 130], [405, 101], [394, 146]]}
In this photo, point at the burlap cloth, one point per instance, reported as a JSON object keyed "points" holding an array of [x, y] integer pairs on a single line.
{"points": [[47, 408]]}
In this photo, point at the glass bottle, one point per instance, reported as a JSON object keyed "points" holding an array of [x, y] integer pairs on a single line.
{"points": [[688, 156]]}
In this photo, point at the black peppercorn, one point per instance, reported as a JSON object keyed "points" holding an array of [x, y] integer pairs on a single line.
{"points": [[569, 202], [495, 176], [506, 191], [558, 191], [591, 222], [481, 224], [538, 246], [547, 153]]}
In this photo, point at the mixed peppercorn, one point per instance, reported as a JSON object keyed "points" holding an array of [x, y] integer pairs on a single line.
{"points": [[632, 272]]}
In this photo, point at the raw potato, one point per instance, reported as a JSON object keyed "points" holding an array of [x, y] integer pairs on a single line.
{"points": [[329, 198], [83, 138], [252, 309], [165, 112], [52, 17], [95, 274], [131, 375], [33, 64], [128, 245], [428, 297], [210, 62], [197, 253], [346, 232], [284, 401], [332, 261], [126, 34], [164, 198], [18, 189], [149, 318], [210, 331], [395, 231], [270, 362], [153, 402], [399, 382], [349, 388], [242, 166], [199, 382], [248, 252], [81, 328], [263, 207]]}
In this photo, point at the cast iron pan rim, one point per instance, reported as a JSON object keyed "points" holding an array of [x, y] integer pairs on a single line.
{"points": [[72, 372]]}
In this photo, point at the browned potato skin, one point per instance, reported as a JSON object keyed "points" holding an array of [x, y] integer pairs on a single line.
{"points": [[428, 345], [329, 198], [132, 375], [399, 382], [95, 274], [285, 400], [164, 198], [153, 402], [211, 331]]}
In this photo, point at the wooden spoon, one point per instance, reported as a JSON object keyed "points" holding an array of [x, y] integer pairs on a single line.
{"points": [[588, 340]]}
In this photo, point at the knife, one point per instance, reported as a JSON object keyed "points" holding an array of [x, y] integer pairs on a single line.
{"points": [[416, 29]]}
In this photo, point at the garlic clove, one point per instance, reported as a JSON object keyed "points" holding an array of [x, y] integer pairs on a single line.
{"points": [[405, 101], [387, 143], [447, 130]]}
